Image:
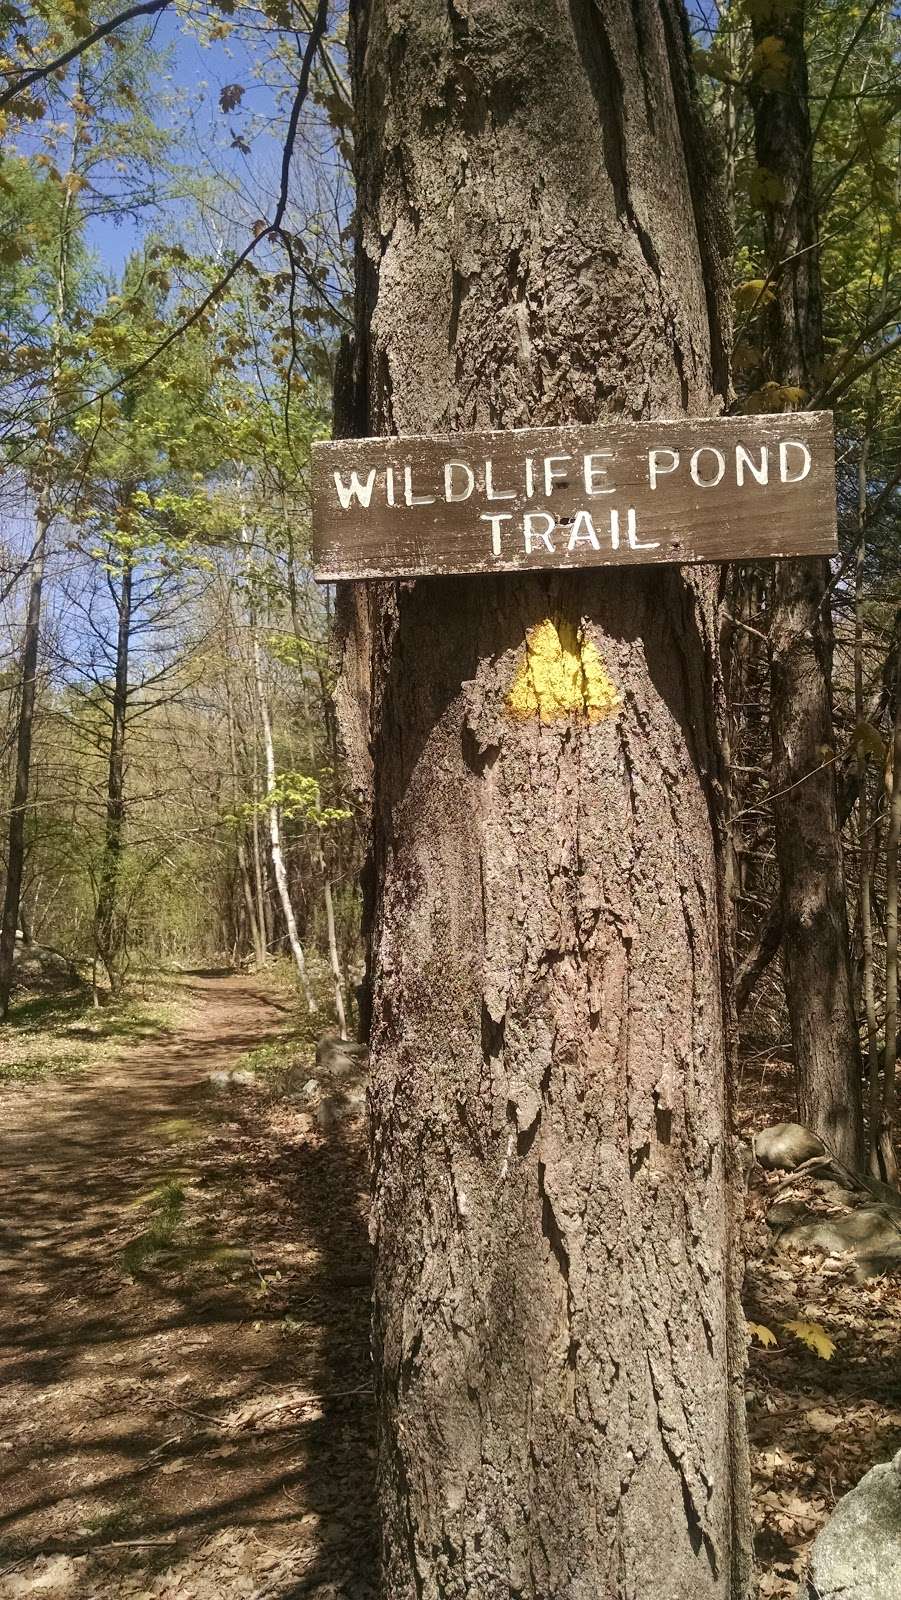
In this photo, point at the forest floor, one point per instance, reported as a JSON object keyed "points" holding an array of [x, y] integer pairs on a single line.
{"points": [[185, 1395], [820, 1413], [185, 1392]]}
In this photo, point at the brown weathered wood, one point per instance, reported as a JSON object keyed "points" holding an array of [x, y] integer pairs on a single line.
{"points": [[581, 487]]}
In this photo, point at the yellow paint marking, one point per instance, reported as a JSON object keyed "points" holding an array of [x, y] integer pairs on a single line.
{"points": [[560, 675]]}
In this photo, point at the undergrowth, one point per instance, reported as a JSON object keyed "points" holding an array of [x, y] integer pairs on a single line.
{"points": [[60, 1035]]}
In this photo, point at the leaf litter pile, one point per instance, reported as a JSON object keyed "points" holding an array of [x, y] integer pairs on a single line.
{"points": [[824, 1375], [186, 1407]]}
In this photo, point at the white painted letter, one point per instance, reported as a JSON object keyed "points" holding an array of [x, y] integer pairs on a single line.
{"points": [[656, 471], [450, 467], [495, 494], [743, 459], [530, 532], [592, 472], [362, 491], [707, 483], [389, 486], [583, 532], [551, 475], [634, 542], [411, 498], [530, 478], [495, 520], [785, 446]]}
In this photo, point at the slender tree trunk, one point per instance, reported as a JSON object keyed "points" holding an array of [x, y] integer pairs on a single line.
{"points": [[867, 854], [275, 831], [109, 923], [884, 1140], [259, 877], [815, 942], [31, 641], [333, 950], [15, 857], [557, 1332], [259, 953]]}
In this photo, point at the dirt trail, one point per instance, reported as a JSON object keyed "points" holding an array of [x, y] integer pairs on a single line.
{"points": [[185, 1404]]}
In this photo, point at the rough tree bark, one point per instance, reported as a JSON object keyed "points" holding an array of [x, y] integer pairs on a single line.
{"points": [[559, 1345], [109, 923], [15, 855], [44, 515], [815, 941]]}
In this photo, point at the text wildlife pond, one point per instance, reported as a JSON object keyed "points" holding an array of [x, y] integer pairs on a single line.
{"points": [[720, 489]]}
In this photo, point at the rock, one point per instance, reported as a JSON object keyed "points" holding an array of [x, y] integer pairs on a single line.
{"points": [[339, 1058], [37, 966], [232, 1080], [871, 1234], [243, 1080], [786, 1145], [857, 1556], [339, 1106]]}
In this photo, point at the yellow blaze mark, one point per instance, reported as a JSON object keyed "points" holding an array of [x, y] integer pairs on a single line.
{"points": [[562, 673]]}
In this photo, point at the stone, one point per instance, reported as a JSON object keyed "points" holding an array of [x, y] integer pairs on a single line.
{"points": [[339, 1058], [786, 1145], [857, 1556], [37, 966], [871, 1234], [236, 1079]]}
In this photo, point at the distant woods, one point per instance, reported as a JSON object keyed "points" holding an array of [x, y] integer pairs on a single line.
{"points": [[169, 749], [170, 760], [804, 107]]}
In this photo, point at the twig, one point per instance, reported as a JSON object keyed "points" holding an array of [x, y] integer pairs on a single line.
{"points": [[36, 74], [125, 1544], [271, 230], [175, 1405]]}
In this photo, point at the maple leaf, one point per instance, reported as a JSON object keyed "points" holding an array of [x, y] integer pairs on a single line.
{"points": [[814, 1336], [231, 96], [771, 64], [764, 1335], [753, 294]]}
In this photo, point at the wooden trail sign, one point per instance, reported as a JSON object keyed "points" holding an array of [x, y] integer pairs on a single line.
{"points": [[725, 489]]}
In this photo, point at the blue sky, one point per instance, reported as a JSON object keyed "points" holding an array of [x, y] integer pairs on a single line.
{"points": [[195, 75]]}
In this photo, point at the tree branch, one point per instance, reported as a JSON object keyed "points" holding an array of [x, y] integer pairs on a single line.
{"points": [[34, 75], [275, 227]]}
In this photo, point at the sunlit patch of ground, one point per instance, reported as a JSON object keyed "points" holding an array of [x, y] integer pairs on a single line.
{"points": [[185, 1391]]}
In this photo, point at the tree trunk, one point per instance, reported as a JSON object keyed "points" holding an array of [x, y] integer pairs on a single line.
{"points": [[259, 953], [865, 831], [340, 1014], [559, 1345], [883, 1138], [15, 864], [109, 924], [275, 831], [15, 857], [808, 840]]}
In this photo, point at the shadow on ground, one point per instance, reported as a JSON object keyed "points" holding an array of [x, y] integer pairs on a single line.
{"points": [[195, 1412]]}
